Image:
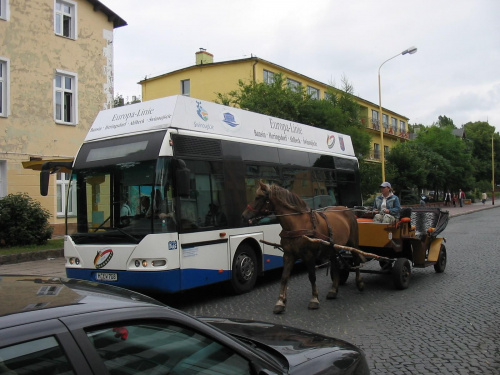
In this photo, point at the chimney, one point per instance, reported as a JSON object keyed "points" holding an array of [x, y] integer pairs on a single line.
{"points": [[203, 57]]}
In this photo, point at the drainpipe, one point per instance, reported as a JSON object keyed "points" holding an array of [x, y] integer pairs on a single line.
{"points": [[253, 68]]}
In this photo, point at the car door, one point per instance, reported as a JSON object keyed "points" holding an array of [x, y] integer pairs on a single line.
{"points": [[44, 347]]}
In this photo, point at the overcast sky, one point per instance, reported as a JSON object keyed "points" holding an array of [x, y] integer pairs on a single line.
{"points": [[455, 73]]}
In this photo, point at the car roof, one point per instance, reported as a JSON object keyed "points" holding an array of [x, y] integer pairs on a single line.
{"points": [[34, 298]]}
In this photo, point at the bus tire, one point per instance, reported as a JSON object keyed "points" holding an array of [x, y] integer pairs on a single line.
{"points": [[244, 271]]}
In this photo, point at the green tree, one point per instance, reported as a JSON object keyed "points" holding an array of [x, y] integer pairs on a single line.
{"points": [[444, 122], [456, 167], [479, 135], [406, 166], [371, 175]]}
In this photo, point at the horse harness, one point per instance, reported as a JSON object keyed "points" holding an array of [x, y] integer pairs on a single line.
{"points": [[311, 232]]}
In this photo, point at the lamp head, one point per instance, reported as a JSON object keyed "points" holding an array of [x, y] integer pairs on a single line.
{"points": [[410, 50]]}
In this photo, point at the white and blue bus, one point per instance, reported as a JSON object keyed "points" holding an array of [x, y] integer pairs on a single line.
{"points": [[159, 188]]}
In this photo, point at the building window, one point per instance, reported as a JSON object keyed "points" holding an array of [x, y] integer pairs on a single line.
{"points": [[394, 124], [402, 127], [293, 85], [63, 194], [386, 152], [4, 87], [313, 92], [385, 122], [4, 10], [65, 97], [65, 19], [376, 151], [375, 120], [186, 87], [3, 178], [268, 77]]}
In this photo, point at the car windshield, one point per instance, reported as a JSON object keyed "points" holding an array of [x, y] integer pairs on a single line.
{"points": [[121, 203]]}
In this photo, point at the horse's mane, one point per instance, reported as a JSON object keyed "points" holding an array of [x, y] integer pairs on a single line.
{"points": [[287, 198]]}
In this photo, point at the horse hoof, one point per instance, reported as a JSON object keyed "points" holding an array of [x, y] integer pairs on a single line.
{"points": [[361, 286], [278, 309], [313, 305], [331, 295]]}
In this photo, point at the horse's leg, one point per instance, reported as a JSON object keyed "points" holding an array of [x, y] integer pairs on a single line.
{"points": [[311, 270], [335, 275], [288, 261], [359, 280]]}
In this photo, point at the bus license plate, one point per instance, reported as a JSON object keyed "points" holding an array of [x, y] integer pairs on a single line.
{"points": [[106, 276]]}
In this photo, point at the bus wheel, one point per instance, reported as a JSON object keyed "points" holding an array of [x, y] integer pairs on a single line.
{"points": [[244, 273]]}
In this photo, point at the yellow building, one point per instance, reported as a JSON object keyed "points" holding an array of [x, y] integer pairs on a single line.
{"points": [[56, 74], [207, 78]]}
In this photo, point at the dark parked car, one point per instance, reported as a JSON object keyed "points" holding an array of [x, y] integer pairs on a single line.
{"points": [[65, 326]]}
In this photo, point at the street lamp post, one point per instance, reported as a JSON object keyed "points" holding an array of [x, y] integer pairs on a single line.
{"points": [[492, 170], [410, 51]]}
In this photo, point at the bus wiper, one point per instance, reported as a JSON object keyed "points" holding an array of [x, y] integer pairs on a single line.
{"points": [[136, 240]]}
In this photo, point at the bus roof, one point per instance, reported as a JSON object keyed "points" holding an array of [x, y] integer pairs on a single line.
{"points": [[198, 115]]}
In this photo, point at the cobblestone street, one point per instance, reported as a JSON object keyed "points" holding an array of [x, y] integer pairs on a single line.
{"points": [[442, 324]]}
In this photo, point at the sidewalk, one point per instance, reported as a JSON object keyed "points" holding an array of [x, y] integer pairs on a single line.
{"points": [[29, 263], [469, 208]]}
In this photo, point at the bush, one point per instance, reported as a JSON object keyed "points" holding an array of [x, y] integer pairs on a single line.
{"points": [[23, 221]]}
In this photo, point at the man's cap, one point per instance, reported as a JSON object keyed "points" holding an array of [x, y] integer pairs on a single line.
{"points": [[386, 184]]}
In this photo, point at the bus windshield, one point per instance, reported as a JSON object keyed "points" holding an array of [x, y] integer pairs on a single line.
{"points": [[123, 202]]}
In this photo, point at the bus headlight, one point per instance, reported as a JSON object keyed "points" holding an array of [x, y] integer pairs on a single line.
{"points": [[137, 263], [74, 261], [144, 263]]}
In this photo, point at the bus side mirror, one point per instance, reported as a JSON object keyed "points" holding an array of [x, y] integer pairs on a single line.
{"points": [[48, 168], [44, 182]]}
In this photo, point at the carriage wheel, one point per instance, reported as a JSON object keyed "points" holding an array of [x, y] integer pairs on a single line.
{"points": [[244, 273], [441, 263], [401, 273]]}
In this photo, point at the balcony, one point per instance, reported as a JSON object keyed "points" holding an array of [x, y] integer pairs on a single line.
{"points": [[374, 124]]}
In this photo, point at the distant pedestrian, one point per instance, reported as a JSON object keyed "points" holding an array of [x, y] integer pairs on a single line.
{"points": [[447, 199], [461, 197], [454, 199], [484, 196], [422, 201]]}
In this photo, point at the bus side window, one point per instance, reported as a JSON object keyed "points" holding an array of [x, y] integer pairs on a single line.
{"points": [[205, 208]]}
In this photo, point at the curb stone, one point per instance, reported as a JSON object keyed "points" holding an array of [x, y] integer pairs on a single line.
{"points": [[32, 255]]}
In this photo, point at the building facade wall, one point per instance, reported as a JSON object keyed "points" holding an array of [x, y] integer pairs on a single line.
{"points": [[36, 55]]}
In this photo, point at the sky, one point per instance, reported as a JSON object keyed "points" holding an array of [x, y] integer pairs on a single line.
{"points": [[455, 72]]}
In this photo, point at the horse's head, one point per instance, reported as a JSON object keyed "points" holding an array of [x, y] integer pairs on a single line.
{"points": [[261, 206]]}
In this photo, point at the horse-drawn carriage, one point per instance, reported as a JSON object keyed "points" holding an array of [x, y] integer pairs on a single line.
{"points": [[348, 239], [412, 242]]}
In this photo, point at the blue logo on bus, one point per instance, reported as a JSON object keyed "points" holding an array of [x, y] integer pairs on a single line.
{"points": [[201, 112], [230, 120], [172, 245]]}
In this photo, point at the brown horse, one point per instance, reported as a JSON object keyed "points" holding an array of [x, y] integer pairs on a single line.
{"points": [[335, 224]]}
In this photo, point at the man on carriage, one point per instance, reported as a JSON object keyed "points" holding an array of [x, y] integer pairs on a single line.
{"points": [[386, 205]]}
